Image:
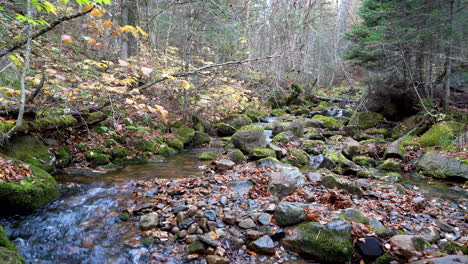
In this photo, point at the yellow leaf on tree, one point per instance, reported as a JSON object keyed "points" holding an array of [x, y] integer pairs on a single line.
{"points": [[185, 85], [97, 12], [86, 8], [67, 39]]}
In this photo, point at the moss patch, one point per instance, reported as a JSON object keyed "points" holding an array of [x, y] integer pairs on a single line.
{"points": [[260, 153], [277, 112], [390, 165], [237, 156], [297, 157], [185, 133], [209, 155], [224, 129], [365, 120], [200, 138], [30, 150], [329, 122], [441, 134], [165, 151], [176, 144], [97, 159]]}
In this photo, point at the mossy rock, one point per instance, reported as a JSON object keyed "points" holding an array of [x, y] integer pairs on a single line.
{"points": [[196, 247], [338, 158], [224, 129], [35, 192], [145, 145], [409, 123], [277, 112], [390, 165], [120, 153], [453, 248], [332, 182], [324, 244], [209, 155], [109, 143], [270, 162], [297, 157], [364, 174], [165, 150], [30, 150], [176, 144], [353, 215], [375, 131], [97, 159], [329, 122], [185, 133], [248, 138], [237, 156], [260, 153], [4, 241], [310, 144], [95, 116], [9, 256], [384, 259], [441, 134], [365, 120], [63, 158], [364, 161], [54, 122], [238, 121], [200, 138], [283, 137], [255, 114]]}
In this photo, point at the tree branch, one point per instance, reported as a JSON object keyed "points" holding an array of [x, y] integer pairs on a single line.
{"points": [[19, 44], [37, 90]]}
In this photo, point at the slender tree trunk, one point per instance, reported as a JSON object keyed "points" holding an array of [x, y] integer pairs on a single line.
{"points": [[448, 53]]}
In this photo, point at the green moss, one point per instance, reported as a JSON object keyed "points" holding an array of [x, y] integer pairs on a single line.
{"points": [[277, 112], [364, 161], [35, 192], [226, 139], [364, 174], [260, 153], [338, 158], [282, 137], [109, 143], [120, 153], [384, 259], [4, 241], [145, 145], [374, 131], [54, 122], [297, 88], [441, 134], [329, 122], [176, 144], [95, 116], [353, 215], [200, 138], [165, 151], [63, 157], [452, 248], [418, 243], [309, 144], [255, 114], [97, 159], [147, 241], [238, 120], [321, 106], [124, 216], [209, 155], [365, 120], [237, 156], [9, 256], [30, 150], [297, 157], [196, 247], [390, 165], [224, 129], [250, 127], [185, 133]]}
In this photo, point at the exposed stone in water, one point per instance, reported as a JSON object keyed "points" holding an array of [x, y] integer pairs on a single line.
{"points": [[442, 166], [224, 164]]}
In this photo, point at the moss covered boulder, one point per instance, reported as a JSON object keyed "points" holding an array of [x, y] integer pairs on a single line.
{"points": [[30, 150], [31, 193], [185, 133], [97, 159], [390, 165], [365, 120], [297, 157], [441, 134], [408, 124], [260, 153], [331, 182], [248, 138], [225, 130], [176, 144], [442, 166], [329, 122], [237, 156], [296, 127], [321, 242], [277, 112], [200, 138], [209, 155], [238, 121], [283, 137], [338, 158], [120, 153]]}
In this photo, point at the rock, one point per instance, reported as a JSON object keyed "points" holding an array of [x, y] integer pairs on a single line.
{"points": [[283, 137], [351, 148], [364, 161], [314, 123], [390, 165], [270, 162], [248, 138], [229, 219], [408, 124], [365, 120], [237, 156], [180, 208], [260, 153], [332, 182], [314, 176], [442, 166], [395, 150], [295, 127], [369, 248], [287, 214], [297, 157], [429, 234], [280, 152], [185, 134], [350, 131], [264, 219], [329, 122], [186, 223], [321, 161], [241, 187], [30, 150], [209, 155], [238, 121], [444, 226], [283, 182], [247, 223], [210, 215], [264, 245], [338, 158], [454, 259], [208, 241], [441, 134], [364, 183], [199, 138], [320, 242], [36, 191], [215, 259], [225, 130], [353, 215], [196, 247], [149, 221], [407, 245], [224, 164]]}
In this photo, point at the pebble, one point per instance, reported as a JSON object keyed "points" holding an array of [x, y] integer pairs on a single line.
{"points": [[264, 218], [247, 223], [210, 214], [180, 208]]}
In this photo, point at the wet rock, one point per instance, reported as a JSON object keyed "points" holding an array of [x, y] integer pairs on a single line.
{"points": [[284, 182], [248, 138], [454, 259], [186, 223], [442, 166], [180, 208], [264, 219], [229, 219], [280, 152], [215, 259], [247, 223], [369, 248], [264, 245], [351, 148], [287, 214], [210, 214], [320, 242], [149, 221], [196, 247], [314, 176], [152, 192], [224, 164]]}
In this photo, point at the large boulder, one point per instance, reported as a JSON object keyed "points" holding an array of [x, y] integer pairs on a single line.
{"points": [[185, 134], [238, 121], [283, 182], [322, 242], [408, 124], [351, 148], [395, 150], [329, 122], [441, 134], [453, 259], [248, 138], [296, 127], [225, 130], [365, 120], [32, 192], [30, 150], [442, 166], [287, 214]]}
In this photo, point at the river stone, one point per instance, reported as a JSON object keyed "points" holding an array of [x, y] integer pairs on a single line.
{"points": [[395, 150], [314, 176], [407, 245], [248, 138], [280, 152], [365, 120], [196, 247], [320, 242], [442, 166], [215, 259], [287, 214], [208, 241], [454, 259], [224, 164], [351, 148], [210, 215], [247, 223], [370, 248], [180, 208], [149, 221], [264, 245], [264, 219], [283, 182], [429, 234]]}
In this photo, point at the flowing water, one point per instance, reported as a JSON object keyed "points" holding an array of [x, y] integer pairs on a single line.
{"points": [[83, 226]]}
